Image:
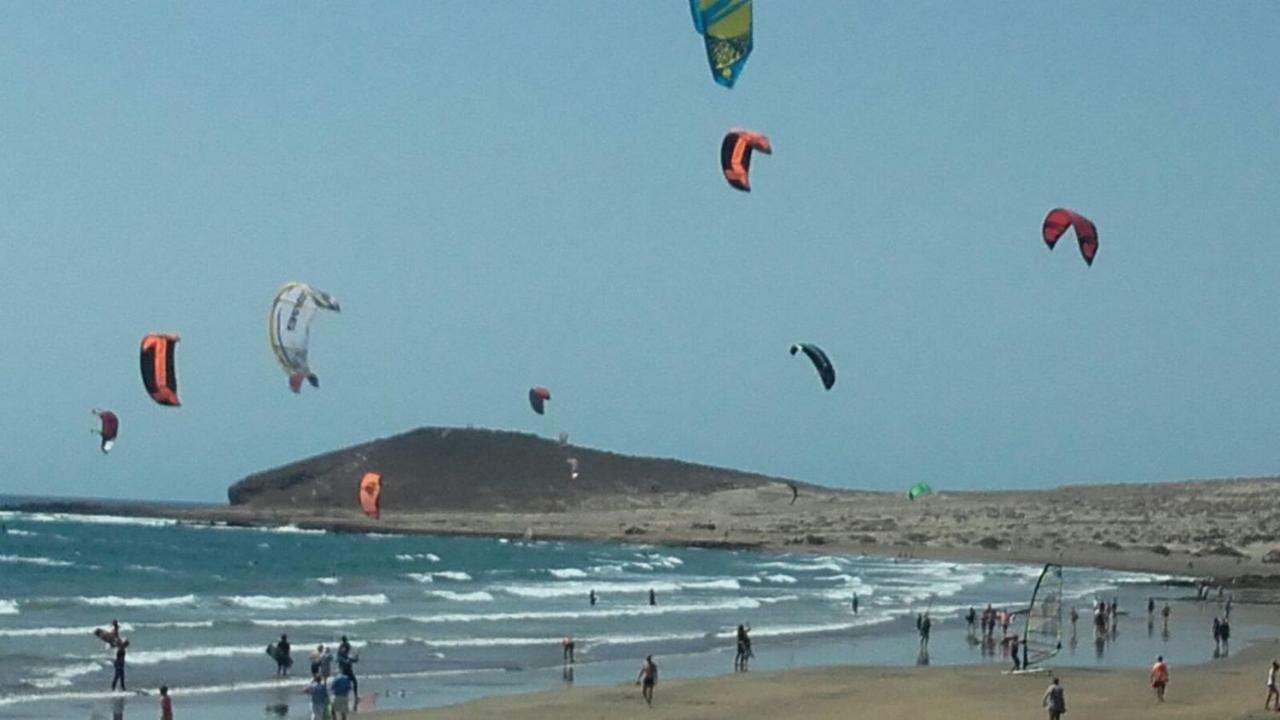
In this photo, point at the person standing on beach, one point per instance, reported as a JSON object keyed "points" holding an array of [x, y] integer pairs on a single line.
{"points": [[1160, 677], [1225, 631], [340, 688], [1075, 617], [924, 624], [166, 703], [319, 693], [345, 662], [647, 679], [284, 660], [1217, 636], [1017, 661], [1227, 609], [121, 644], [1164, 612], [568, 650], [969, 618], [744, 649], [1272, 690], [1055, 699]]}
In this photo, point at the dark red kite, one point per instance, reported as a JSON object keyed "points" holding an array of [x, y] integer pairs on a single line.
{"points": [[538, 396], [110, 428], [735, 156], [1057, 222], [159, 373]]}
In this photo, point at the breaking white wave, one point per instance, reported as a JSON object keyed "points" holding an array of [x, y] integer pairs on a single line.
{"points": [[61, 677], [21, 533], [273, 602], [567, 573], [802, 566], [781, 579], [54, 631], [633, 611], [117, 601], [477, 596], [10, 515], [326, 580], [155, 657], [451, 575], [8, 607], [41, 561], [410, 557]]}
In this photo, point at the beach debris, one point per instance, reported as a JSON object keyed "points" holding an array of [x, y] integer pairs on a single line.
{"points": [[989, 542], [159, 369], [289, 329], [371, 494], [538, 397], [815, 539], [726, 28], [1272, 556], [826, 371], [735, 156], [110, 428], [634, 530], [1057, 222], [703, 526]]}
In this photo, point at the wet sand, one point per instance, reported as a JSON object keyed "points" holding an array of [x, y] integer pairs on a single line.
{"points": [[1231, 689]]}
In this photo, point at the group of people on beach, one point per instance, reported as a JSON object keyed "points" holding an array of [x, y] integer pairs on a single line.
{"points": [[332, 696]]}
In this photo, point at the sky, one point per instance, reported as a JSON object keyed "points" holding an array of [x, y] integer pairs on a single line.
{"points": [[510, 194]]}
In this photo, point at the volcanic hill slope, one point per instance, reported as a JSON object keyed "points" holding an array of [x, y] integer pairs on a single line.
{"points": [[473, 470]]}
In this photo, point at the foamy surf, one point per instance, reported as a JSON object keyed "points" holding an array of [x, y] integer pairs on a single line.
{"points": [[272, 602]]}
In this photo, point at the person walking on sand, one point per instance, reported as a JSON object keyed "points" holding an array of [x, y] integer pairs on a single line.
{"points": [[166, 703], [1055, 700], [1272, 691], [319, 693], [647, 679], [1160, 677], [118, 677], [1217, 636], [1151, 607]]}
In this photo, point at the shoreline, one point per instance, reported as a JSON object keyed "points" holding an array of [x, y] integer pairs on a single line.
{"points": [[680, 528]]}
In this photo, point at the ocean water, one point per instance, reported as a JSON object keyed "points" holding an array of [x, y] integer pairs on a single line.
{"points": [[437, 620]]}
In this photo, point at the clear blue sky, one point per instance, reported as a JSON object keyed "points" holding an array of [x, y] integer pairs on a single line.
{"points": [[507, 194]]}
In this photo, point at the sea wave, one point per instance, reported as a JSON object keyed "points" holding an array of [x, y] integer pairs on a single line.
{"points": [[410, 557], [802, 566], [567, 573], [8, 607], [633, 611], [117, 601], [456, 575], [326, 580], [59, 631], [11, 515], [41, 561], [20, 533], [61, 677], [781, 579], [274, 602], [477, 596], [155, 657]]}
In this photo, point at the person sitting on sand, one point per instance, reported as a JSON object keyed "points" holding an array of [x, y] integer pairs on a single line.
{"points": [[648, 678], [1055, 699], [166, 703], [1272, 691], [1160, 677], [319, 693]]}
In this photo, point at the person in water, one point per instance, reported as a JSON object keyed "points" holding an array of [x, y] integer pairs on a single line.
{"points": [[855, 603], [319, 693], [1160, 678], [925, 625], [166, 703], [1055, 700], [969, 618], [744, 649], [648, 678], [121, 644], [345, 662], [591, 596], [568, 650], [653, 599], [315, 659], [284, 660], [1164, 612]]}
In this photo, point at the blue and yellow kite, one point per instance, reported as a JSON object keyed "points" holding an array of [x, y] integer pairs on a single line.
{"points": [[726, 27]]}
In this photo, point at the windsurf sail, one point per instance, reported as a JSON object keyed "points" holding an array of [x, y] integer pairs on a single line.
{"points": [[1043, 633]]}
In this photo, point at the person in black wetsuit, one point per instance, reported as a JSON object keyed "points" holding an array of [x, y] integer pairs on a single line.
{"points": [[121, 644], [283, 658], [345, 666]]}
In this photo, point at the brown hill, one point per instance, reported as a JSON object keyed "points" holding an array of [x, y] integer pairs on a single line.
{"points": [[435, 469]]}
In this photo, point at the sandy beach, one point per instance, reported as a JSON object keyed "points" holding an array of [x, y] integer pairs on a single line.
{"points": [[1228, 690]]}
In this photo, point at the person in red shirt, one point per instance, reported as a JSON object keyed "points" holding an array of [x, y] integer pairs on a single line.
{"points": [[1159, 678], [166, 703]]}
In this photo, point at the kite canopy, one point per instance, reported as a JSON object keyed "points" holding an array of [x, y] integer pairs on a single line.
{"points": [[918, 489], [159, 374], [1057, 222], [820, 362], [371, 494], [726, 28], [110, 428], [538, 396], [289, 328], [735, 155]]}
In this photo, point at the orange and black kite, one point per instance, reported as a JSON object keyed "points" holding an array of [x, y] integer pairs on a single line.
{"points": [[371, 494], [159, 373], [735, 156]]}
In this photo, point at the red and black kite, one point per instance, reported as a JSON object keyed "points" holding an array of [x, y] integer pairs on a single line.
{"points": [[1057, 222], [735, 156], [159, 373]]}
